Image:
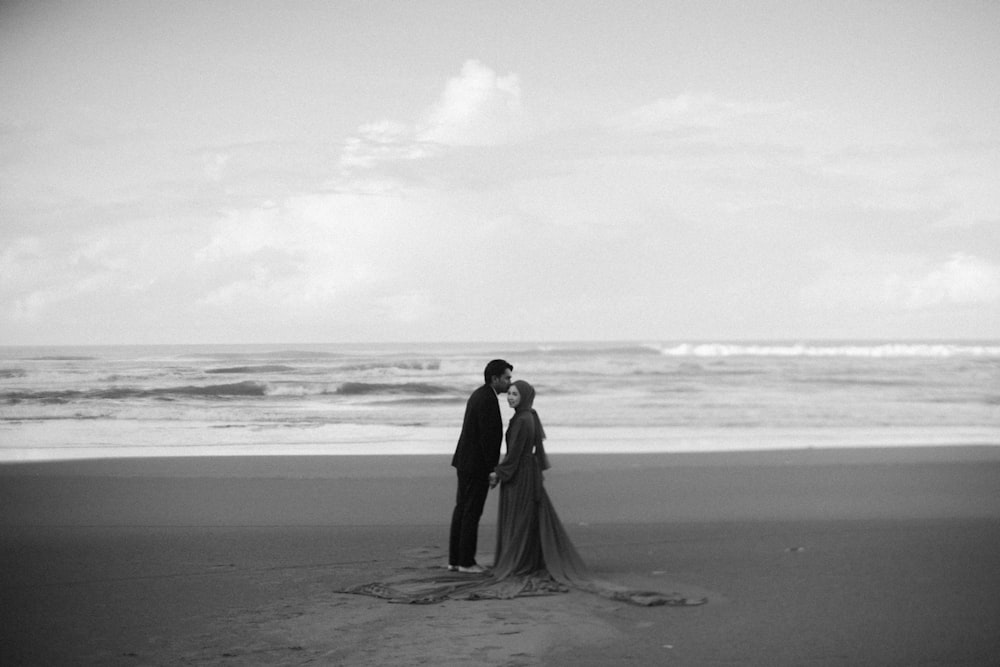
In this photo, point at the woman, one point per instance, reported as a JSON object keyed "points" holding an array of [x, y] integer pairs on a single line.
{"points": [[530, 537], [534, 555]]}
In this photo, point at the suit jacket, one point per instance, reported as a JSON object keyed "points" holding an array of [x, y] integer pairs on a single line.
{"points": [[478, 450]]}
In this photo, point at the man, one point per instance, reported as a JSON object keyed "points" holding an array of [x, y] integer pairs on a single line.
{"points": [[476, 455]]}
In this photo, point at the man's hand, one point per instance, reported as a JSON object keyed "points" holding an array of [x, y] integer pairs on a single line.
{"points": [[494, 480]]}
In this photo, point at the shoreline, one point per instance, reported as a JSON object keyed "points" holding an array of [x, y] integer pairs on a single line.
{"points": [[319, 465], [56, 440]]}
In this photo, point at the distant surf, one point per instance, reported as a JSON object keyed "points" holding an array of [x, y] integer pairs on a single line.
{"points": [[398, 399]]}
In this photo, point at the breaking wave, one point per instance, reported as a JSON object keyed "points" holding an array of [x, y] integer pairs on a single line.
{"points": [[222, 391], [122, 393], [272, 368], [432, 365], [364, 388], [832, 350], [572, 350]]}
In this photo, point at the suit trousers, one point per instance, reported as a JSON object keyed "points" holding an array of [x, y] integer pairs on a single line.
{"points": [[472, 492]]}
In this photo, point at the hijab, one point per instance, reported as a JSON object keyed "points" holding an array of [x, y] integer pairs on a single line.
{"points": [[525, 408], [527, 395]]}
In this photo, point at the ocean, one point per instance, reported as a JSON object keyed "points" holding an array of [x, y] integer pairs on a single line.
{"points": [[339, 399]]}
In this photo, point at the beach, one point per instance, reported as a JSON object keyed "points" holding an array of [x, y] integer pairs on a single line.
{"points": [[807, 557]]}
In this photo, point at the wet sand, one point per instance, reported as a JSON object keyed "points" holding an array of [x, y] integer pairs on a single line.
{"points": [[814, 557]]}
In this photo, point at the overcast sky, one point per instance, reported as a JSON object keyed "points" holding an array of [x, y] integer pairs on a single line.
{"points": [[470, 171]]}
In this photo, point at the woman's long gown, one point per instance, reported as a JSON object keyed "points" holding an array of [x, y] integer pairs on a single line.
{"points": [[534, 555], [531, 540]]}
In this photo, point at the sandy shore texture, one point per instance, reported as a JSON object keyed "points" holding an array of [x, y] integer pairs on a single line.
{"points": [[813, 557]]}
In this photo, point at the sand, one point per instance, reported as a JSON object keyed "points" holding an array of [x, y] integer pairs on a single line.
{"points": [[813, 557]]}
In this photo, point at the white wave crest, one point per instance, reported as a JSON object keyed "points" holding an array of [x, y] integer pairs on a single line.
{"points": [[834, 350], [297, 389]]}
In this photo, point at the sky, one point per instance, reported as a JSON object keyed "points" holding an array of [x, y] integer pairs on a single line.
{"points": [[252, 172]]}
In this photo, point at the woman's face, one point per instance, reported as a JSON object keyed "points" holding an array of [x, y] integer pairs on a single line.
{"points": [[513, 396]]}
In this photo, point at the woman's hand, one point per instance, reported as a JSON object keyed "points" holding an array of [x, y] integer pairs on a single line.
{"points": [[494, 480]]}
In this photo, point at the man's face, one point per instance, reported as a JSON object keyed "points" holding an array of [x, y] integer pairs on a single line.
{"points": [[501, 383]]}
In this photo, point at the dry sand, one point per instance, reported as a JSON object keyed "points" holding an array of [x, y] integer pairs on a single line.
{"points": [[852, 557]]}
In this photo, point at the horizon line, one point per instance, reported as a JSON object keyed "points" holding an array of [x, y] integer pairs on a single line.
{"points": [[539, 341]]}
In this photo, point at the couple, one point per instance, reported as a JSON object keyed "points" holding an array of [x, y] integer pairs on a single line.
{"points": [[531, 547], [534, 555]]}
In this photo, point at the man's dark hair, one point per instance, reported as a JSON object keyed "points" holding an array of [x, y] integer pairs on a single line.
{"points": [[495, 368]]}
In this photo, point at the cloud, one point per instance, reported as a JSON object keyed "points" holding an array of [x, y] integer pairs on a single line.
{"points": [[37, 274], [339, 255], [239, 233], [21, 262], [962, 279], [408, 307], [214, 165], [887, 283], [37, 280], [309, 250], [689, 111], [380, 142], [476, 108]]}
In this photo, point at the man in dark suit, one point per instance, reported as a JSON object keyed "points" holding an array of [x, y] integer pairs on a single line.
{"points": [[476, 455]]}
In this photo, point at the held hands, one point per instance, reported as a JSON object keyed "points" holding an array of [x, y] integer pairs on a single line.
{"points": [[494, 480]]}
